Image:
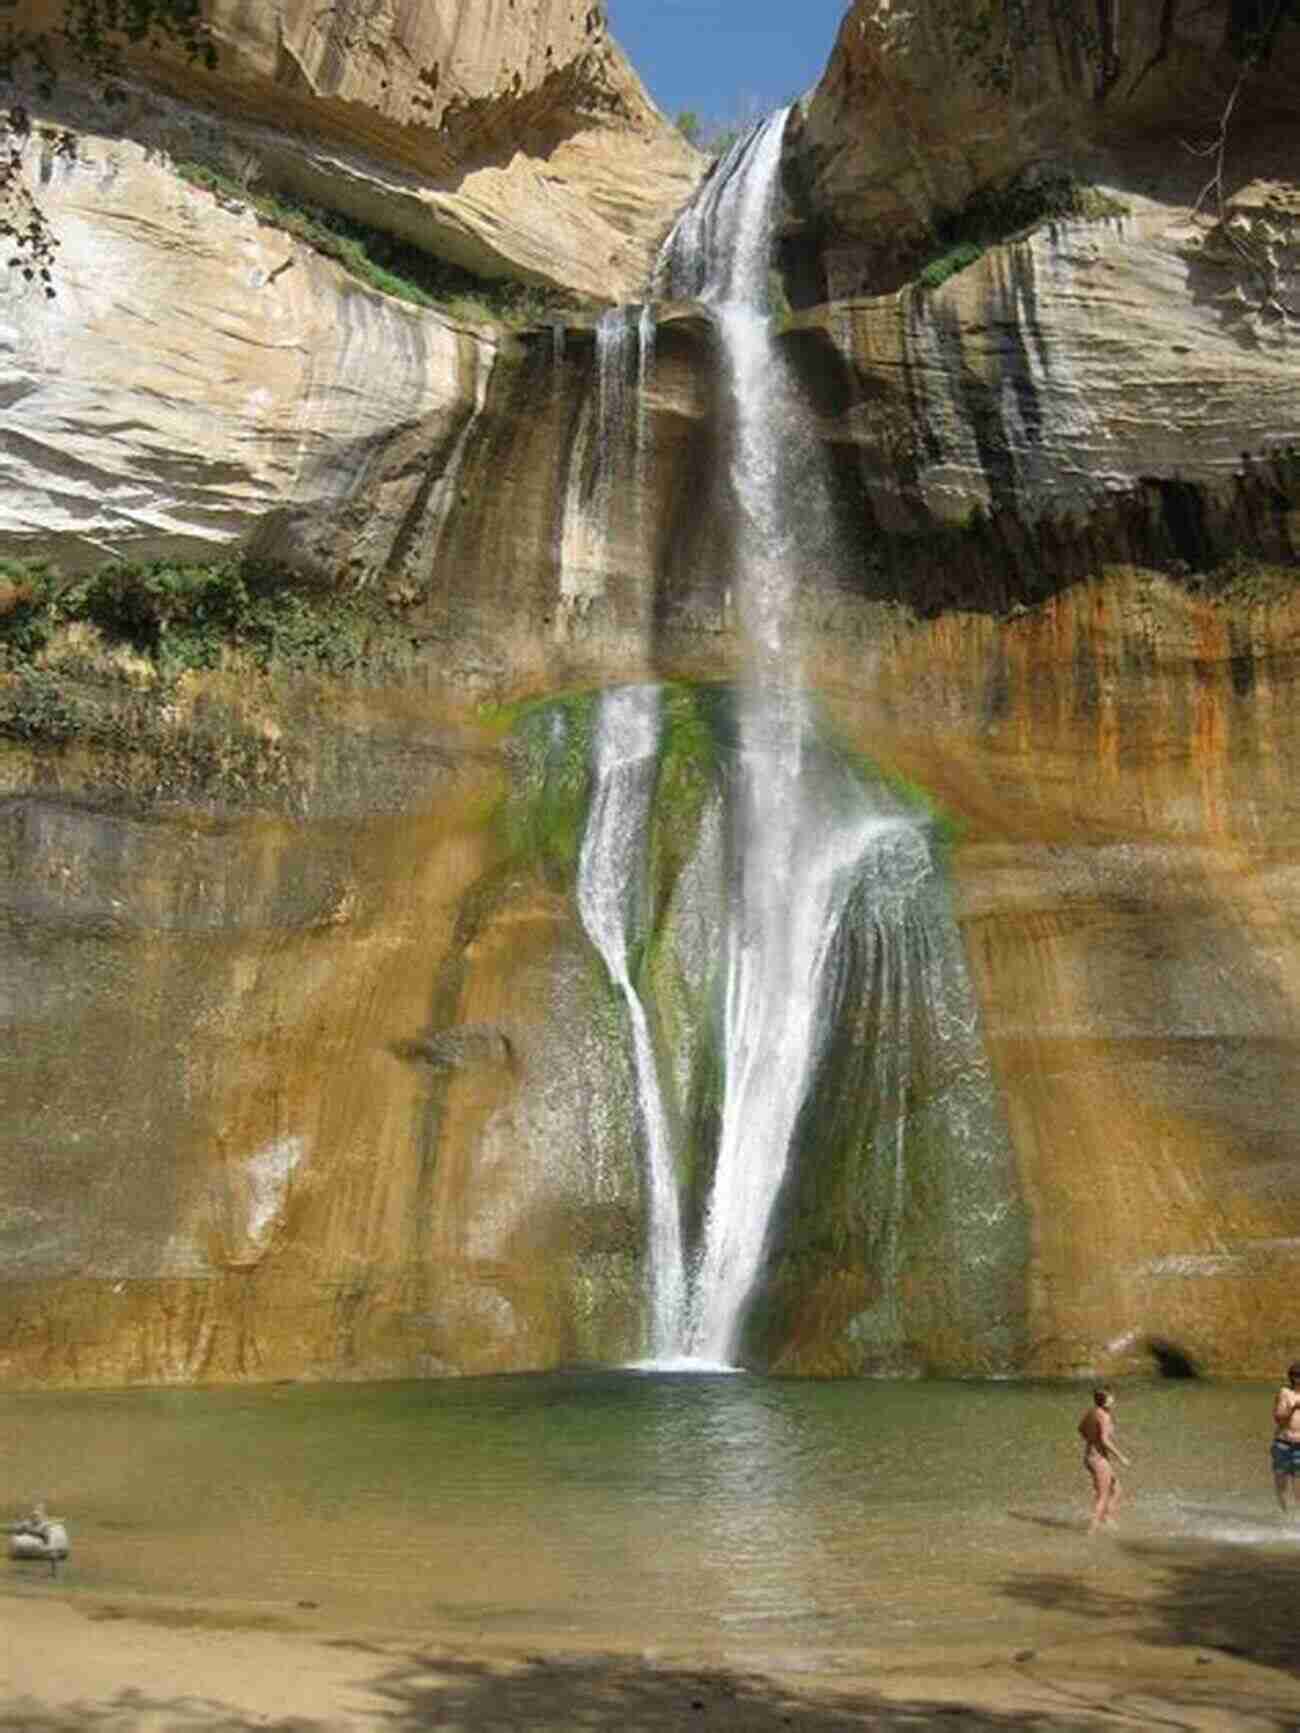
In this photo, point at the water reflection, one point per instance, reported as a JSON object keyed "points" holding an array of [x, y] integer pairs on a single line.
{"points": [[740, 1526], [717, 1512]]}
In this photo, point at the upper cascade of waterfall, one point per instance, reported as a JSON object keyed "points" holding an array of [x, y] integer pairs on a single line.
{"points": [[616, 335], [719, 247]]}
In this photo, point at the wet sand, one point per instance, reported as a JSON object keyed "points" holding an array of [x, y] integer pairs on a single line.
{"points": [[146, 1665]]}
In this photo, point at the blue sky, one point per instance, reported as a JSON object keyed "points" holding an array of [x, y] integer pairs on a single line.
{"points": [[729, 60]]}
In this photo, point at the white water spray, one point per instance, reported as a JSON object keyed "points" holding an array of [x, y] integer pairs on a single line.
{"points": [[616, 333], [645, 368], [609, 871], [607, 455]]}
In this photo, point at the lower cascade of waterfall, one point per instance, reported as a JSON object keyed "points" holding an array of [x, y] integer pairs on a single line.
{"points": [[809, 926], [797, 857]]}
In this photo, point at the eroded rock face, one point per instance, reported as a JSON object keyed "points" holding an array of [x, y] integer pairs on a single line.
{"points": [[199, 372], [1057, 375], [1122, 760], [201, 381], [514, 140], [921, 108], [363, 1103], [347, 1093], [369, 1117], [1112, 378], [314, 1070]]}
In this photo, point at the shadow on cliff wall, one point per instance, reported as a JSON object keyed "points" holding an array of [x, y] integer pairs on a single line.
{"points": [[1001, 559], [998, 561]]}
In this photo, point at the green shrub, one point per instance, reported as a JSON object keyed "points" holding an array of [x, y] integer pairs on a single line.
{"points": [[27, 614], [939, 270], [35, 707], [182, 615], [171, 612]]}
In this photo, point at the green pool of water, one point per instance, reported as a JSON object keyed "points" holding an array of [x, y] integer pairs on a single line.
{"points": [[640, 1510]]}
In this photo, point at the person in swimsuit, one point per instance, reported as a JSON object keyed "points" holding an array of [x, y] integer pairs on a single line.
{"points": [[1100, 1452], [1286, 1439]]}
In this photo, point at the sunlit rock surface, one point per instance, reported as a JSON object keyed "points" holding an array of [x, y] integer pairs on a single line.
{"points": [[1124, 762], [1146, 340], [199, 375], [202, 379], [1059, 373], [513, 139], [303, 1167], [347, 1094]]}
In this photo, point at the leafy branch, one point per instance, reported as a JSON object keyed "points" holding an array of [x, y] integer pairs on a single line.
{"points": [[94, 36]]}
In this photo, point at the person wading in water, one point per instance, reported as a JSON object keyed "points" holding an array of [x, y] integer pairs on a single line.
{"points": [[1097, 1429], [1286, 1439]]}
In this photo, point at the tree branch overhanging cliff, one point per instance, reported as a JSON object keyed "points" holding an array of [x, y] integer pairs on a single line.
{"points": [[1253, 29], [92, 36]]}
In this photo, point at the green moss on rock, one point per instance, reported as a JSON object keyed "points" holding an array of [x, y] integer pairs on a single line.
{"points": [[545, 814]]}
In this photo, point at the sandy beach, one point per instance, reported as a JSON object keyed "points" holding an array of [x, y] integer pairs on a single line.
{"points": [[74, 1663]]}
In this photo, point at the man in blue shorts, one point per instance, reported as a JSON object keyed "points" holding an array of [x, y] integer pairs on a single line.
{"points": [[1286, 1438]]}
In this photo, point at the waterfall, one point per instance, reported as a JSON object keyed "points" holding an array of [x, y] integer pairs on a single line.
{"points": [[615, 336], [795, 852], [788, 897], [833, 917], [609, 872], [718, 250], [607, 453], [424, 540], [645, 364]]}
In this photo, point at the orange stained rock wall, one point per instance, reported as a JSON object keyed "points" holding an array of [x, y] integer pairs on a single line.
{"points": [[1122, 763], [342, 1091]]}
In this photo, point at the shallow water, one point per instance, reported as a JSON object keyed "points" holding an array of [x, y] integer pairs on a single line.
{"points": [[731, 1514]]}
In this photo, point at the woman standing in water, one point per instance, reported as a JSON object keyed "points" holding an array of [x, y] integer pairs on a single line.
{"points": [[1100, 1450]]}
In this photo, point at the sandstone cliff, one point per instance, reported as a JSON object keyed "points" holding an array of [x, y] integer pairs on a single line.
{"points": [[1059, 378], [923, 109], [199, 372], [1054, 267], [313, 1070], [200, 377], [513, 140]]}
